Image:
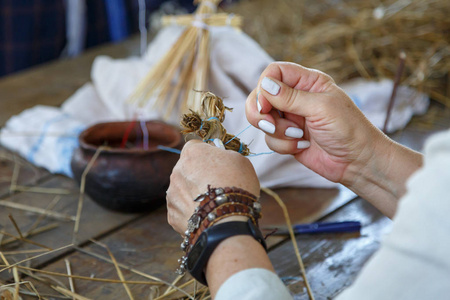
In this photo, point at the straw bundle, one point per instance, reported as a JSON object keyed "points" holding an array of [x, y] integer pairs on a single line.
{"points": [[358, 38], [184, 69]]}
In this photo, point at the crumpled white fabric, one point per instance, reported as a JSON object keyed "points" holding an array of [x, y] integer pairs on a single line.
{"points": [[236, 63]]}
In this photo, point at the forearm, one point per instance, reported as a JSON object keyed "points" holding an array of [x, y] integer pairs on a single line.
{"points": [[382, 178], [234, 254]]}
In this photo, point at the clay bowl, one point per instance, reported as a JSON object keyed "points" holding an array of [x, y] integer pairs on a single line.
{"points": [[130, 179]]}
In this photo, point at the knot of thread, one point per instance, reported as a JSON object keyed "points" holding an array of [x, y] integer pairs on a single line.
{"points": [[229, 19], [208, 124], [198, 22]]}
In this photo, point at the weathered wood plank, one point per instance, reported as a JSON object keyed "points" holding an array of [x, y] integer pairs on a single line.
{"points": [[332, 261], [149, 245], [95, 220], [28, 174]]}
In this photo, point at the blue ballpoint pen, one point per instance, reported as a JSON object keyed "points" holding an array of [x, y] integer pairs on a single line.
{"points": [[323, 227]]}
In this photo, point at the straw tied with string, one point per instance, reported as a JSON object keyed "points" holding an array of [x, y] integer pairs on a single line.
{"points": [[208, 125]]}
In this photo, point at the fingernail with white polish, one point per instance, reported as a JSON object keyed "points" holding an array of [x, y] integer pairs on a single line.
{"points": [[293, 132], [303, 144], [270, 86], [266, 126], [258, 105], [219, 144]]}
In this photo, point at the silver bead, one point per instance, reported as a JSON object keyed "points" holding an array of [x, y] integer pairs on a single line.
{"points": [[187, 232], [183, 246], [211, 216], [219, 191], [180, 271], [257, 207], [199, 198], [221, 199], [250, 210]]}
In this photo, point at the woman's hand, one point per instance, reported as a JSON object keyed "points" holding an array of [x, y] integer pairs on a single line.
{"points": [[201, 164], [304, 113], [316, 121]]}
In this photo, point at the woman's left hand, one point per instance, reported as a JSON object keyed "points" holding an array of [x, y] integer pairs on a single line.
{"points": [[201, 164]]}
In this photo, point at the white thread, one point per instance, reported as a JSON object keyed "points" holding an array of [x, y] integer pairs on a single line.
{"points": [[230, 17], [198, 22]]}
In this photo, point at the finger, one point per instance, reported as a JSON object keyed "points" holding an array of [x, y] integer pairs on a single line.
{"points": [[284, 146], [294, 76], [297, 76], [289, 100], [289, 127]]}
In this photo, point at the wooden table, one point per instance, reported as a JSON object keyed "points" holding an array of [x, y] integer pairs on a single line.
{"points": [[145, 243]]}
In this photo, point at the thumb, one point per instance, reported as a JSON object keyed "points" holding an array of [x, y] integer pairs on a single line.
{"points": [[286, 98]]}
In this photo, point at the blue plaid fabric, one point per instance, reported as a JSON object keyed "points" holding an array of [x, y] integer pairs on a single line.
{"points": [[31, 32], [34, 31]]}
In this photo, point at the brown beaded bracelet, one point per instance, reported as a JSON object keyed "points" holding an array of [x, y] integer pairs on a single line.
{"points": [[223, 211], [217, 204]]}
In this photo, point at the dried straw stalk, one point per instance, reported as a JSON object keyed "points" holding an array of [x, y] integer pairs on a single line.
{"points": [[18, 238], [34, 257], [29, 233], [16, 277], [116, 265], [186, 63], [81, 197], [66, 292], [292, 236], [37, 210], [106, 280], [98, 256], [35, 292], [42, 190], [354, 38], [69, 272]]}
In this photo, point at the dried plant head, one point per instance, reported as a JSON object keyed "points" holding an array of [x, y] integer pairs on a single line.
{"points": [[208, 125]]}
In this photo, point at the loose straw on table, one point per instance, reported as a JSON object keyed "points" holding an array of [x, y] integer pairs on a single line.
{"points": [[69, 272], [116, 265], [101, 257], [30, 233], [16, 277], [37, 210], [82, 186], [34, 257], [106, 280], [292, 236]]}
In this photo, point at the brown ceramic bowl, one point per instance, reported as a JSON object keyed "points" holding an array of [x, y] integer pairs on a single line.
{"points": [[129, 179]]}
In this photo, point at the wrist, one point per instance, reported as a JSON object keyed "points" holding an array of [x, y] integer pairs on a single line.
{"points": [[221, 213], [233, 255], [380, 177]]}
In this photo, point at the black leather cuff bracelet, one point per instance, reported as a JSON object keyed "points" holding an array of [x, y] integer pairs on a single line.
{"points": [[211, 238]]}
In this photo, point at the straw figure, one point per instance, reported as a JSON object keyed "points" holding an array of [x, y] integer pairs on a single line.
{"points": [[208, 124], [184, 69]]}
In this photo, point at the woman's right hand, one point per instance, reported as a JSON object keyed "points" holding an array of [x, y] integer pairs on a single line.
{"points": [[338, 139]]}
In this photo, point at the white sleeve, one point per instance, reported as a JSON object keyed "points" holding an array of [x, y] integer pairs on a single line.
{"points": [[253, 284], [414, 262]]}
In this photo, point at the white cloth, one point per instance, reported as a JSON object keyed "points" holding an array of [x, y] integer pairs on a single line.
{"points": [[253, 284], [413, 261], [236, 62]]}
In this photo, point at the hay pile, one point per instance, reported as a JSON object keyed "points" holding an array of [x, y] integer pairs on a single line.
{"points": [[358, 38]]}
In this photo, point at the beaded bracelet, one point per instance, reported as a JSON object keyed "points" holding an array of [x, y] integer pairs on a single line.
{"points": [[217, 204]]}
